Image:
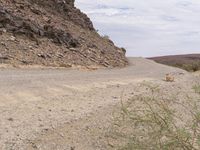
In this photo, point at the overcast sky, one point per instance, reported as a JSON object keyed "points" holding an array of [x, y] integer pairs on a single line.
{"points": [[147, 27]]}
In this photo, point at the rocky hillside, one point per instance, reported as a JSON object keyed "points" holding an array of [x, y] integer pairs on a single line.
{"points": [[52, 33]]}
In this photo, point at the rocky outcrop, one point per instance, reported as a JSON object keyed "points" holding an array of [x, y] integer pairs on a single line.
{"points": [[53, 33]]}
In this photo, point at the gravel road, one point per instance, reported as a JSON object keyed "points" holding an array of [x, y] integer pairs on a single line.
{"points": [[53, 108]]}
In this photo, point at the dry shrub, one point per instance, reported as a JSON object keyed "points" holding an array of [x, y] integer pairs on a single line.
{"points": [[155, 123]]}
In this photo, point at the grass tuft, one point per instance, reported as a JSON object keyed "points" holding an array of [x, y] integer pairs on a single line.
{"points": [[196, 89]]}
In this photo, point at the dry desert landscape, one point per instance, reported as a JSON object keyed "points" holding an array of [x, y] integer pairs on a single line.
{"points": [[63, 86], [53, 109]]}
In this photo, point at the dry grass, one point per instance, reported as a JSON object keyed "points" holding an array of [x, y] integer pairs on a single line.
{"points": [[153, 123], [196, 88]]}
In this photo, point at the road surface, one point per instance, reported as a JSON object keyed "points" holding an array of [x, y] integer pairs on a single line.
{"points": [[53, 108]]}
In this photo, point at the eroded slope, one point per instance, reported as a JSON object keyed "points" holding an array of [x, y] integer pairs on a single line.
{"points": [[52, 33]]}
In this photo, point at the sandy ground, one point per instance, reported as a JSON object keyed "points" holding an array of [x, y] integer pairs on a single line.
{"points": [[63, 109]]}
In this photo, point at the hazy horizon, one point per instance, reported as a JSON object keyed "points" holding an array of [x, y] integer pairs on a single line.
{"points": [[147, 28]]}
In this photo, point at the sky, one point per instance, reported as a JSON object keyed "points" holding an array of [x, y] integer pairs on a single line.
{"points": [[147, 27]]}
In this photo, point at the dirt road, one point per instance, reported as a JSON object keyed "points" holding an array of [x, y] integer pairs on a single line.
{"points": [[67, 109]]}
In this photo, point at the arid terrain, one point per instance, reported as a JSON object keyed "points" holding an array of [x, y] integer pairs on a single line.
{"points": [[53, 33], [57, 109], [190, 62], [65, 87]]}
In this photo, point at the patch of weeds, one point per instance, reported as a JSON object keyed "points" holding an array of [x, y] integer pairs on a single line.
{"points": [[196, 88], [153, 123]]}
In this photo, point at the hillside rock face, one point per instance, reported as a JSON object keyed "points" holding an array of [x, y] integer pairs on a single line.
{"points": [[53, 33]]}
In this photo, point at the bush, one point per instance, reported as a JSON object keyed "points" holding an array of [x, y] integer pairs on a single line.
{"points": [[191, 67], [151, 123]]}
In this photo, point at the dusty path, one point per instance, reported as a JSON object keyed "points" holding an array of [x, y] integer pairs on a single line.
{"points": [[55, 109]]}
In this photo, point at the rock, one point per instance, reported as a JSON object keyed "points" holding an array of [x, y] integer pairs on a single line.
{"points": [[59, 36], [25, 62], [36, 11], [62, 33], [2, 43], [10, 119], [30, 47], [60, 55], [12, 38], [4, 30], [72, 148], [2, 57], [73, 49], [41, 55]]}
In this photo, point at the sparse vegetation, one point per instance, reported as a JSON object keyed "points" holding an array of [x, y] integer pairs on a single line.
{"points": [[190, 67], [152, 123], [197, 88], [189, 63], [195, 66]]}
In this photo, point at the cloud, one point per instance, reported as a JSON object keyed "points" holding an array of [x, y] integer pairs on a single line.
{"points": [[148, 28]]}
